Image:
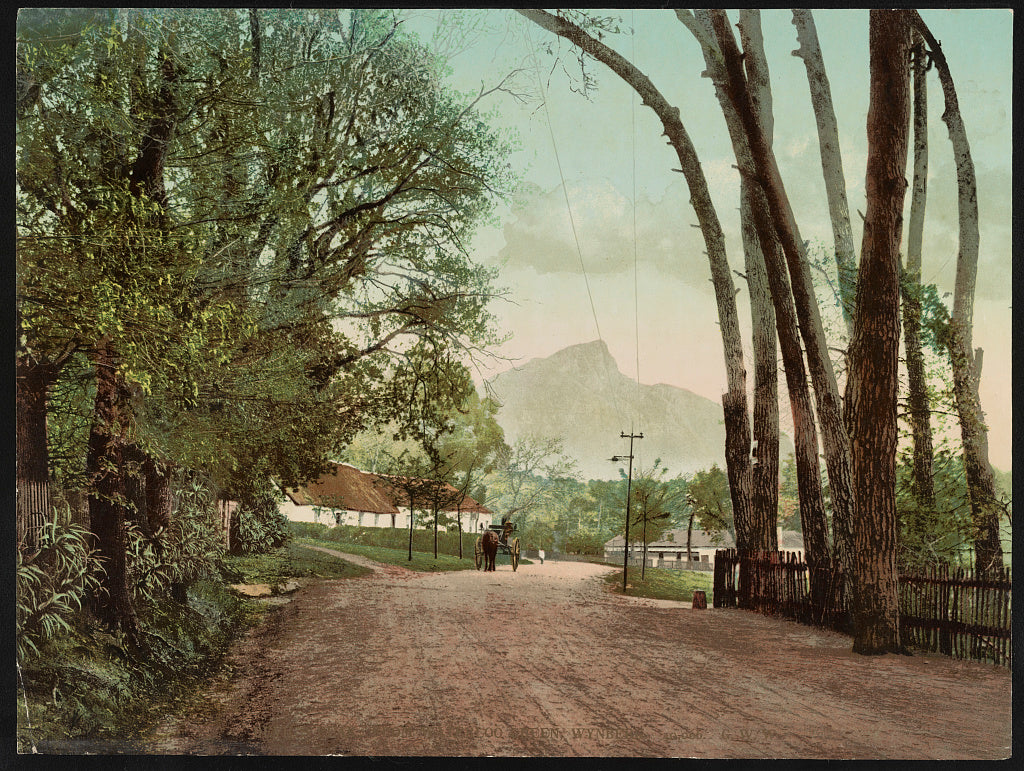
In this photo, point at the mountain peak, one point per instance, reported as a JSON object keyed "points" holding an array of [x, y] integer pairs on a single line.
{"points": [[595, 350], [579, 395]]}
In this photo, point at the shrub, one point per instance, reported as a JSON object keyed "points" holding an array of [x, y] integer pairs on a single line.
{"points": [[260, 530], [186, 552], [51, 584], [308, 530], [387, 537]]}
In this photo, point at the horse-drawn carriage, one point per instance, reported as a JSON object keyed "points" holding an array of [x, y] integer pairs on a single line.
{"points": [[494, 540]]}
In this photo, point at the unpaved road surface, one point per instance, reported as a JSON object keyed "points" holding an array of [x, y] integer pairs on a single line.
{"points": [[545, 662]]}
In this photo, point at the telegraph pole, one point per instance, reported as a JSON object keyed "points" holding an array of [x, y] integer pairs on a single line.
{"points": [[629, 488]]}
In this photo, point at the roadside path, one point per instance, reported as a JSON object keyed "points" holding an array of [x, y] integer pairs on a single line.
{"points": [[545, 662]]}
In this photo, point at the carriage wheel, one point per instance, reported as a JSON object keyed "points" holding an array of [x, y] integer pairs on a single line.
{"points": [[513, 550], [478, 551]]}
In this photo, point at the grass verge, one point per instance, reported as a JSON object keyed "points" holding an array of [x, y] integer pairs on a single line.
{"points": [[661, 584], [288, 562], [89, 691], [390, 546], [423, 562]]}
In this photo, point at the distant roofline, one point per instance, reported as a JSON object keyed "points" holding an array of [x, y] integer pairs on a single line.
{"points": [[469, 505]]}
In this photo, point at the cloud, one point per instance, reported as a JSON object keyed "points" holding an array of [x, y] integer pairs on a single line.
{"points": [[995, 188], [540, 234]]}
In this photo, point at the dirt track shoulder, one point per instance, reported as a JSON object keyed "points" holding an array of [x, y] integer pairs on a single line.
{"points": [[545, 662]]}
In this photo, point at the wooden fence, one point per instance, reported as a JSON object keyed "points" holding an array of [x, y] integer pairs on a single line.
{"points": [[952, 611], [778, 583], [942, 610]]}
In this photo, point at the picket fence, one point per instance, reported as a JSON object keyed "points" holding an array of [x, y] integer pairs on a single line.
{"points": [[949, 611]]}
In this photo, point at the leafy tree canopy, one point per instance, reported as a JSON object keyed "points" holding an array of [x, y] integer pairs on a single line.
{"points": [[266, 213]]}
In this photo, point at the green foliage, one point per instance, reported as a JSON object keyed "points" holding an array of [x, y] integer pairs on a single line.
{"points": [[607, 508], [90, 692], [659, 503], [190, 548], [261, 525], [529, 479], [259, 531], [269, 268], [373, 545], [395, 538], [935, 317], [87, 687], [279, 565], [68, 421], [708, 495], [313, 530], [789, 496], [942, 535], [51, 585], [583, 542]]}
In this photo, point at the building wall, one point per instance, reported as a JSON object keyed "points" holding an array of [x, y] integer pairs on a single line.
{"points": [[471, 522], [657, 556], [296, 513]]}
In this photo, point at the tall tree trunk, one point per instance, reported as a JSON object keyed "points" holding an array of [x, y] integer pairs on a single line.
{"points": [[734, 402], [874, 349], [985, 508], [813, 521], [689, 537], [113, 604], [765, 171], [32, 463], [918, 403], [135, 487], [805, 435], [831, 158], [458, 519], [765, 472], [159, 495]]}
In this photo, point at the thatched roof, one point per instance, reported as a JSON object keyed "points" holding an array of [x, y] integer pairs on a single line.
{"points": [[397, 489], [350, 489], [345, 488]]}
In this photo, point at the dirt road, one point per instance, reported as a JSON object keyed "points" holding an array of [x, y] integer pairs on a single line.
{"points": [[545, 662]]}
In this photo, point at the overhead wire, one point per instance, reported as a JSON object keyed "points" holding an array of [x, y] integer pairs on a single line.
{"points": [[572, 220], [636, 258]]}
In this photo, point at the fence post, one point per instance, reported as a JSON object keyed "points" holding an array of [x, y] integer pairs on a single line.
{"points": [[717, 583]]}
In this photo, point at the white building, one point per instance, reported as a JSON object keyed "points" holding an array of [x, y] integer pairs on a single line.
{"points": [[348, 496], [670, 551]]}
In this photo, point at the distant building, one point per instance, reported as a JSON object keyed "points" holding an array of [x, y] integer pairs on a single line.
{"points": [[349, 496], [670, 551]]}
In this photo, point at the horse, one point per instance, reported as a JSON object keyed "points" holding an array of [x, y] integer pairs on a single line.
{"points": [[489, 543]]}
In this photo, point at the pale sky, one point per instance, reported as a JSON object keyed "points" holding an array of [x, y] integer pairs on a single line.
{"points": [[671, 335]]}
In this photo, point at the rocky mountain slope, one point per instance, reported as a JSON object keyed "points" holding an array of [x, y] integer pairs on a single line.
{"points": [[579, 395]]}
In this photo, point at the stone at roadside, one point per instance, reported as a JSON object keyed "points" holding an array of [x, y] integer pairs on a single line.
{"points": [[253, 590]]}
